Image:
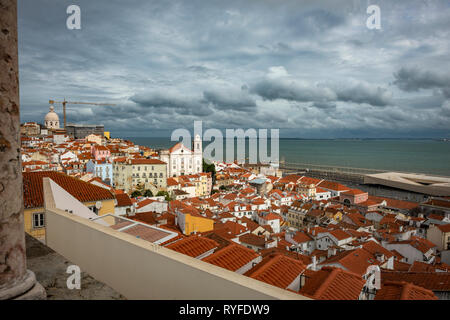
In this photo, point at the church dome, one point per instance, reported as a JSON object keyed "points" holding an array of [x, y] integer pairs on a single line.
{"points": [[52, 115], [51, 119]]}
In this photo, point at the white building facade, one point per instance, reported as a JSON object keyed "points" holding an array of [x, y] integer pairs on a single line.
{"points": [[183, 161]]}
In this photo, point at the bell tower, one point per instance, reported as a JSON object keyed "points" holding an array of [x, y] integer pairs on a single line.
{"points": [[198, 145]]}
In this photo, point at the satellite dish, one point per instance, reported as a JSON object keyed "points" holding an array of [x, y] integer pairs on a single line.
{"points": [[98, 204]]}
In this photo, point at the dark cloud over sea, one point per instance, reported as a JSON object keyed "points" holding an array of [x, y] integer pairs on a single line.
{"points": [[309, 68]]}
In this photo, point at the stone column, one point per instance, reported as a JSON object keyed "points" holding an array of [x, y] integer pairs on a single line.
{"points": [[16, 282]]}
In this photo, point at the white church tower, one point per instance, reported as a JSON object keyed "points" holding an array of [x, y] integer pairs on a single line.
{"points": [[198, 154]]}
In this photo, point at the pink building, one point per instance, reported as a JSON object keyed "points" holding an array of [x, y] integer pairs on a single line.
{"points": [[354, 196], [100, 152]]}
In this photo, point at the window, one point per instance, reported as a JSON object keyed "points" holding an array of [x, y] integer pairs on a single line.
{"points": [[38, 220], [93, 209]]}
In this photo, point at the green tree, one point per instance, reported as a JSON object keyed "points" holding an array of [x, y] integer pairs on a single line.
{"points": [[210, 167], [148, 193], [136, 193], [165, 194]]}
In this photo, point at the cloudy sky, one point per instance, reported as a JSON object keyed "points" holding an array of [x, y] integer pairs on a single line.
{"points": [[310, 68]]}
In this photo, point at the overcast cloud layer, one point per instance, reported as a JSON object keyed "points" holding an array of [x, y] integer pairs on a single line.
{"points": [[311, 68]]}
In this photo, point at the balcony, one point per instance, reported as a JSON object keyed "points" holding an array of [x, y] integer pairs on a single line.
{"points": [[139, 269]]}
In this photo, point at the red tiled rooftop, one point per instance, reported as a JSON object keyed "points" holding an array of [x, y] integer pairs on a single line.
{"points": [[123, 200], [356, 261], [444, 227], [277, 270], [250, 238], [435, 281], [401, 290], [193, 246], [81, 190], [232, 257], [331, 283], [353, 192], [301, 237]]}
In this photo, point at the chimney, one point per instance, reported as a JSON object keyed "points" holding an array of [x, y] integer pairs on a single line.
{"points": [[314, 264]]}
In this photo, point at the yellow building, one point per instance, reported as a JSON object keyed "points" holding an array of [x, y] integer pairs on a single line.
{"points": [[95, 138], [191, 222], [101, 201], [107, 135], [200, 181], [334, 214]]}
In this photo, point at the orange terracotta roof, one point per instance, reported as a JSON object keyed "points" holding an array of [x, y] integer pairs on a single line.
{"points": [[394, 203], [401, 266], [146, 217], [193, 246], [172, 182], [277, 270], [144, 203], [374, 248], [401, 290], [252, 239], [123, 200], [356, 261], [33, 190], [435, 281], [331, 283], [232, 257], [444, 227], [421, 244], [301, 237], [332, 186], [353, 192]]}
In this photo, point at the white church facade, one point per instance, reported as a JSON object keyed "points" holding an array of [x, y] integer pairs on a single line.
{"points": [[182, 160]]}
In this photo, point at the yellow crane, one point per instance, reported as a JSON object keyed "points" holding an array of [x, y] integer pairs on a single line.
{"points": [[64, 103]]}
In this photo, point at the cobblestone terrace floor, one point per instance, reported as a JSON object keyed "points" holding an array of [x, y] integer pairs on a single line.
{"points": [[50, 269]]}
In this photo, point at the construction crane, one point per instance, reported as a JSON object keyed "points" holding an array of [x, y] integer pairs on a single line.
{"points": [[64, 103]]}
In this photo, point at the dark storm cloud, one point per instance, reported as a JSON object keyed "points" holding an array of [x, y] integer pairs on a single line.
{"points": [[364, 93], [166, 100], [167, 63], [238, 100], [272, 89], [414, 79], [283, 86], [324, 105]]}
